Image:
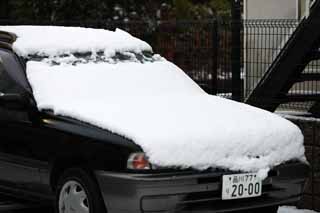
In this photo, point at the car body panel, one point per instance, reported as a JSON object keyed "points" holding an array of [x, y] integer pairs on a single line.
{"points": [[195, 191], [34, 149]]}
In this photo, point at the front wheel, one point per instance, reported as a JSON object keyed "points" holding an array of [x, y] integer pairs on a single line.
{"points": [[78, 192]]}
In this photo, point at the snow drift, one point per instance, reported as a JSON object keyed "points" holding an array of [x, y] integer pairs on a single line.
{"points": [[160, 108]]}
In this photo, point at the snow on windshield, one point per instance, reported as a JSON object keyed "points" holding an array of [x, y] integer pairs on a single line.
{"points": [[54, 41], [96, 57], [156, 105]]}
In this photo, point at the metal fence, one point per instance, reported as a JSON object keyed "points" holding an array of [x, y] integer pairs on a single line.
{"points": [[263, 40]]}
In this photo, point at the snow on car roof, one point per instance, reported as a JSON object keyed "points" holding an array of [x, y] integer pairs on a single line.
{"points": [[153, 103], [56, 40]]}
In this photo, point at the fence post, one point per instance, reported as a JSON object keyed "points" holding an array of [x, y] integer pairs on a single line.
{"points": [[236, 50], [4, 9], [215, 55]]}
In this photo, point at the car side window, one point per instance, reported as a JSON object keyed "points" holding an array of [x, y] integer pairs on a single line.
{"points": [[12, 77], [4, 80], [10, 83]]}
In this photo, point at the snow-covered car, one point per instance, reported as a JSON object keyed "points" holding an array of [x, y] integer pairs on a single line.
{"points": [[96, 122]]}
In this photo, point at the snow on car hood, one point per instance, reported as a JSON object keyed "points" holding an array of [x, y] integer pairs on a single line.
{"points": [[161, 109], [152, 102]]}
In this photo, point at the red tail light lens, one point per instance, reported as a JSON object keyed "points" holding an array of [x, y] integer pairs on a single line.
{"points": [[138, 161]]}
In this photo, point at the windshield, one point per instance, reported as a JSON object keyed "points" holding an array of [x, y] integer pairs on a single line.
{"points": [[87, 57]]}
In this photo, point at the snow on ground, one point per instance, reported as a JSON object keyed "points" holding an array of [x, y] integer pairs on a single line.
{"points": [[52, 41], [290, 209], [160, 108]]}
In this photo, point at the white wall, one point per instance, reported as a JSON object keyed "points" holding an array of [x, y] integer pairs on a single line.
{"points": [[271, 9]]}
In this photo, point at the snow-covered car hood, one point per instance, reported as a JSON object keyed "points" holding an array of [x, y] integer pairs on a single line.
{"points": [[161, 109], [155, 104]]}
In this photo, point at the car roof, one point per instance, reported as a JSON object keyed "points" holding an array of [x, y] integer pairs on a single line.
{"points": [[57, 40]]}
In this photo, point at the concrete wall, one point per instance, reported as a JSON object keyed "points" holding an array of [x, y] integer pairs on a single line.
{"points": [[271, 9], [311, 130]]}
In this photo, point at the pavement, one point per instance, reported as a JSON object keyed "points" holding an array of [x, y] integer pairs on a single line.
{"points": [[42, 210], [8, 202], [290, 209], [50, 210]]}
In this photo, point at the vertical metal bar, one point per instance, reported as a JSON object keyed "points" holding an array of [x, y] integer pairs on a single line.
{"points": [[314, 126], [236, 50], [4, 9], [215, 49]]}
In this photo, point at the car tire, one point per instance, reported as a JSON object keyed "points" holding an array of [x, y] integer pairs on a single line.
{"points": [[77, 191]]}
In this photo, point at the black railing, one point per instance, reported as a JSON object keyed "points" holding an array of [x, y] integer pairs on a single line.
{"points": [[263, 41]]}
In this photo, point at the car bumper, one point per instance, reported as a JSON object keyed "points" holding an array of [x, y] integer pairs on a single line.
{"points": [[194, 192]]}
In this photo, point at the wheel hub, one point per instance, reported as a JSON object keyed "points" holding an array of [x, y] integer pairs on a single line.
{"points": [[73, 198]]}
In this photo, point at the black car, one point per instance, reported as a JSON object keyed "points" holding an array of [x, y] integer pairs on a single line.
{"points": [[82, 168]]}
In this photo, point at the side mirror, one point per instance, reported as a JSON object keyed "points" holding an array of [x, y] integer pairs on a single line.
{"points": [[13, 101]]}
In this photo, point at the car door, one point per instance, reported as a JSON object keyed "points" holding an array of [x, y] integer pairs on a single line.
{"points": [[18, 167]]}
